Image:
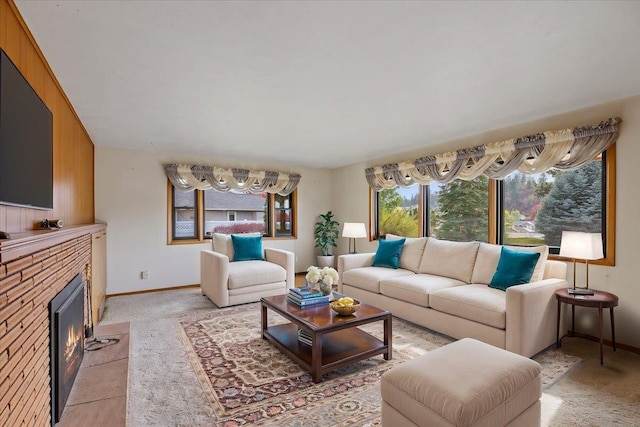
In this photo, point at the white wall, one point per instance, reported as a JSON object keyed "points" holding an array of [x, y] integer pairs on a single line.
{"points": [[131, 196], [351, 203]]}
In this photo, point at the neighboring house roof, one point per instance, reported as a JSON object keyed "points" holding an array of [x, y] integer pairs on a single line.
{"points": [[219, 201]]}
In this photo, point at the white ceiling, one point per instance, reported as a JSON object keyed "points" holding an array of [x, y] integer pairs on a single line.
{"points": [[326, 84]]}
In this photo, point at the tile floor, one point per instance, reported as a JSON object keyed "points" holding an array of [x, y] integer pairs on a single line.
{"points": [[99, 393]]}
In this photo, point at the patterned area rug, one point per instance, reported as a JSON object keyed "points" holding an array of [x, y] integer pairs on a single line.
{"points": [[249, 382]]}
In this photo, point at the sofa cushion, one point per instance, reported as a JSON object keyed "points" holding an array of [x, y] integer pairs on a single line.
{"points": [[221, 243], [514, 268], [412, 251], [368, 278], [449, 259], [416, 288], [489, 255], [251, 273], [478, 303], [388, 253]]}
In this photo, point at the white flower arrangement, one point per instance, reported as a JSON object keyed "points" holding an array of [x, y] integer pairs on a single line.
{"points": [[324, 277]]}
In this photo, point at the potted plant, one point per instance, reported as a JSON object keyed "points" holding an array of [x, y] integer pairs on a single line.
{"points": [[326, 232]]}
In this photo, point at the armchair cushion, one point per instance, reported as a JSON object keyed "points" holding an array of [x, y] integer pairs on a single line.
{"points": [[222, 243], [252, 273], [247, 248]]}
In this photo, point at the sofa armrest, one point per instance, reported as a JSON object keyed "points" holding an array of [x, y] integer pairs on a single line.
{"points": [[214, 277], [532, 316], [351, 261], [285, 259]]}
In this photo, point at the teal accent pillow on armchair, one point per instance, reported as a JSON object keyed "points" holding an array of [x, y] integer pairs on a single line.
{"points": [[388, 253], [514, 268], [247, 248]]}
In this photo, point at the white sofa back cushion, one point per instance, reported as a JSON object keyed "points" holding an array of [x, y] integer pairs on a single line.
{"points": [[223, 244], [449, 259], [489, 256], [412, 251]]}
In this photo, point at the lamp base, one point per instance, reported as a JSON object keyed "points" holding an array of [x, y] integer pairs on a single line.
{"points": [[351, 239]]}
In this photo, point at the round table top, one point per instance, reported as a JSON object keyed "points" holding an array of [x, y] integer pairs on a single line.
{"points": [[598, 299]]}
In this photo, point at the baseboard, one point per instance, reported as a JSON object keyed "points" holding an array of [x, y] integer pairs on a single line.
{"points": [[605, 342], [146, 291]]}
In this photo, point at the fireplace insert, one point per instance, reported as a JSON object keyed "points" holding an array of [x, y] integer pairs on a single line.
{"points": [[66, 316]]}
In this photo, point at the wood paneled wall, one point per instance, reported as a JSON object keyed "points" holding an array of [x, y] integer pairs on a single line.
{"points": [[72, 147]]}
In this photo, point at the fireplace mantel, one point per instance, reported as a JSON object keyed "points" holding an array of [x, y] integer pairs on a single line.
{"points": [[34, 267], [25, 243]]}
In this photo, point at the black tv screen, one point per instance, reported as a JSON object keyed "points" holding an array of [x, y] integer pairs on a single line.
{"points": [[26, 142]]}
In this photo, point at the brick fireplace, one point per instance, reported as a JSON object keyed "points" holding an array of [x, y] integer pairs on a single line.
{"points": [[33, 270]]}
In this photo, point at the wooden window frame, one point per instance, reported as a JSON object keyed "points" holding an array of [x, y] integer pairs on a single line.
{"points": [[200, 218]]}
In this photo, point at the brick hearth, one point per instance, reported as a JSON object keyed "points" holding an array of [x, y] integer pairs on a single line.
{"points": [[27, 285]]}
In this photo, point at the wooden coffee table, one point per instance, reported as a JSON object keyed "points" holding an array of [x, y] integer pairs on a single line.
{"points": [[336, 340]]}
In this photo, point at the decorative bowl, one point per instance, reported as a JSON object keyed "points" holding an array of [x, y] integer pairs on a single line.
{"points": [[345, 310]]}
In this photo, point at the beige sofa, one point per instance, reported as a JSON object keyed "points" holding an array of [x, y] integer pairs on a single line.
{"points": [[442, 285], [227, 282]]}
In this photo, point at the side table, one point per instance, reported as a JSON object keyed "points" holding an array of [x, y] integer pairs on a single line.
{"points": [[599, 300]]}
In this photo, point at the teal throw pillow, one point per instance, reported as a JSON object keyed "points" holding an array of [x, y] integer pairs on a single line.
{"points": [[514, 268], [247, 248], [388, 253]]}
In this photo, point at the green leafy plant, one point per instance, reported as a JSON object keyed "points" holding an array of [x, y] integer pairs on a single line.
{"points": [[326, 232]]}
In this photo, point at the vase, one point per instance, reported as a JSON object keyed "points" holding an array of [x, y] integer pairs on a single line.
{"points": [[325, 289]]}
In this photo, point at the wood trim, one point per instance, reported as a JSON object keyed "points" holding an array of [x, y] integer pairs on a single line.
{"points": [[169, 212], [294, 214], [493, 211], [372, 216], [610, 242], [28, 242], [605, 341], [147, 291]]}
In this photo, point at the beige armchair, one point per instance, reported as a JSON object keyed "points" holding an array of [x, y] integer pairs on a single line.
{"points": [[229, 283]]}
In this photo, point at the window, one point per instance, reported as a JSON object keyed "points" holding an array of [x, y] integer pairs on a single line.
{"points": [[522, 210], [398, 211], [453, 211], [459, 210], [537, 208], [193, 216], [185, 223]]}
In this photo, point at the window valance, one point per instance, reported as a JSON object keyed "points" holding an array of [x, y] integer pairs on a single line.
{"points": [[193, 177], [562, 149]]}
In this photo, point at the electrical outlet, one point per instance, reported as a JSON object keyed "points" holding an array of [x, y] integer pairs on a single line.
{"points": [[144, 274]]}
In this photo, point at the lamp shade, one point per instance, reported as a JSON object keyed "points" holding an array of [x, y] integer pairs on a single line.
{"points": [[579, 245], [354, 230]]}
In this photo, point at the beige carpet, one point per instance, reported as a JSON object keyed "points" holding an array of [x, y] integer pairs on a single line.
{"points": [[166, 389]]}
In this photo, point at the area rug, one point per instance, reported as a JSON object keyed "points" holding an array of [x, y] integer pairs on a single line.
{"points": [[249, 382]]}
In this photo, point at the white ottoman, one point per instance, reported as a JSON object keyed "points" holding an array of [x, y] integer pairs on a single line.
{"points": [[465, 383]]}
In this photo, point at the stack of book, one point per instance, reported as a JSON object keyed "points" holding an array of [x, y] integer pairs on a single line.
{"points": [[304, 337], [305, 297]]}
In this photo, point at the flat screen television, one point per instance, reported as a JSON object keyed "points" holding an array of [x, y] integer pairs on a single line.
{"points": [[26, 142]]}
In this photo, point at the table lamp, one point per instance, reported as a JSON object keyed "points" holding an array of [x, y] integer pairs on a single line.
{"points": [[353, 230], [579, 245]]}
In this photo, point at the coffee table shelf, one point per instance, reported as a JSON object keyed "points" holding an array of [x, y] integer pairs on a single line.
{"points": [[337, 342]]}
